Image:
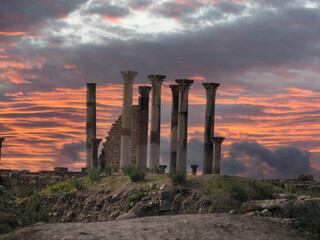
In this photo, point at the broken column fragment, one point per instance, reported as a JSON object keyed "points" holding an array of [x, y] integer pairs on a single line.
{"points": [[217, 154], [154, 153], [126, 128], [184, 86], [142, 127], [91, 122], [174, 127], [94, 152], [211, 89]]}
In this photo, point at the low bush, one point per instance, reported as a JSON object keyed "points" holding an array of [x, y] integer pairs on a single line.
{"points": [[78, 183], [33, 211], [94, 174], [177, 177], [134, 173], [238, 192]]}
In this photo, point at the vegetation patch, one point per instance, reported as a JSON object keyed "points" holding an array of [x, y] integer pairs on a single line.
{"points": [[134, 173], [177, 177]]}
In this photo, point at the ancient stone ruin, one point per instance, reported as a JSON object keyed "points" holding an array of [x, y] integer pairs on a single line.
{"points": [[1, 140], [126, 142]]}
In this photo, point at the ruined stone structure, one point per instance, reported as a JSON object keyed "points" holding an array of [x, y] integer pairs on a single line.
{"points": [[126, 129], [217, 154], [211, 89], [184, 86], [110, 154], [142, 127], [1, 140], [91, 122], [174, 127], [154, 154]]}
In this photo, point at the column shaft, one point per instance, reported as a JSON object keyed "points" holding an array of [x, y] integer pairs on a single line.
{"points": [[94, 152], [1, 140], [184, 86], [211, 89], [154, 154], [174, 127], [91, 121], [142, 128], [217, 154], [126, 127]]}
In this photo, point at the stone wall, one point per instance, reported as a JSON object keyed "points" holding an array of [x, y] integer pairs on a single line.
{"points": [[110, 154], [39, 180]]}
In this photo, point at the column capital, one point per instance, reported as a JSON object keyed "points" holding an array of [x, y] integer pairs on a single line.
{"points": [[156, 80], [144, 91], [184, 84], [174, 89], [128, 76], [211, 87], [218, 140]]}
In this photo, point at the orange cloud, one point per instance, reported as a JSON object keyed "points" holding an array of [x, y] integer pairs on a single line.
{"points": [[11, 33]]}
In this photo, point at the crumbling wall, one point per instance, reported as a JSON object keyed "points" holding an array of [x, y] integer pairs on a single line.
{"points": [[110, 154]]}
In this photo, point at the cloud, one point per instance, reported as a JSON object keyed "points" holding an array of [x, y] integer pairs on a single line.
{"points": [[69, 153], [255, 160]]}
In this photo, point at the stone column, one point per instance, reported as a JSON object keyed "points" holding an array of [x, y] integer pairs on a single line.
{"points": [[174, 127], [184, 86], [126, 128], [211, 89], [91, 121], [94, 152], [154, 153], [217, 154], [1, 140], [142, 128]]}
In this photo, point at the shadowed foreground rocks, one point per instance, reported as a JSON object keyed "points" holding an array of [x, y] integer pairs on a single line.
{"points": [[209, 226]]}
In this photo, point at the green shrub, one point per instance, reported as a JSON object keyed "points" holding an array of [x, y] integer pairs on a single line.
{"points": [[33, 211], [62, 187], [308, 216], [260, 192], [78, 183], [28, 190], [238, 192], [136, 198], [107, 170], [128, 169], [177, 177], [134, 173], [94, 174]]}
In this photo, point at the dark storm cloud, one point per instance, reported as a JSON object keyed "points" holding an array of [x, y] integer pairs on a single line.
{"points": [[22, 16], [230, 7], [69, 153], [104, 8], [284, 161], [140, 4]]}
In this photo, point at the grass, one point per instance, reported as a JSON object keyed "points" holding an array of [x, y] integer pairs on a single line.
{"points": [[34, 212], [134, 173], [300, 192], [177, 177], [94, 174]]}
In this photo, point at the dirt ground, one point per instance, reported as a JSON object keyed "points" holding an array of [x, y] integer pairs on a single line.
{"points": [[206, 226]]}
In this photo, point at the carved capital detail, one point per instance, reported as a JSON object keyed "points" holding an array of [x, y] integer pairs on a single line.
{"points": [[156, 80], [174, 90], [218, 140], [128, 76], [211, 87], [144, 91], [184, 84]]}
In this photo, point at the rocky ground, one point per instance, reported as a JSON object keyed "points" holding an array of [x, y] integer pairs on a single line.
{"points": [[205, 226], [115, 198]]}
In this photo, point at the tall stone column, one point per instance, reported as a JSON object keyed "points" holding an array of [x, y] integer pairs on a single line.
{"points": [[142, 128], [217, 154], [154, 153], [94, 152], [174, 127], [126, 128], [211, 89], [91, 121], [184, 86], [1, 140]]}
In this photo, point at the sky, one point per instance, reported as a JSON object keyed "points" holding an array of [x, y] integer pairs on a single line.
{"points": [[264, 53]]}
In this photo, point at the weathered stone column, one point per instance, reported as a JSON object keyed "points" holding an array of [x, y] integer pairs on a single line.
{"points": [[154, 154], [1, 140], [217, 154], [211, 89], [184, 86], [94, 152], [126, 128], [142, 128], [91, 121], [174, 127]]}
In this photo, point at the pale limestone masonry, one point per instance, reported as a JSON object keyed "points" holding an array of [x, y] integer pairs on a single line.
{"points": [[110, 154], [126, 132]]}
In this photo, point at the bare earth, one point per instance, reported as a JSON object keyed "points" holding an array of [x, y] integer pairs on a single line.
{"points": [[206, 226]]}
